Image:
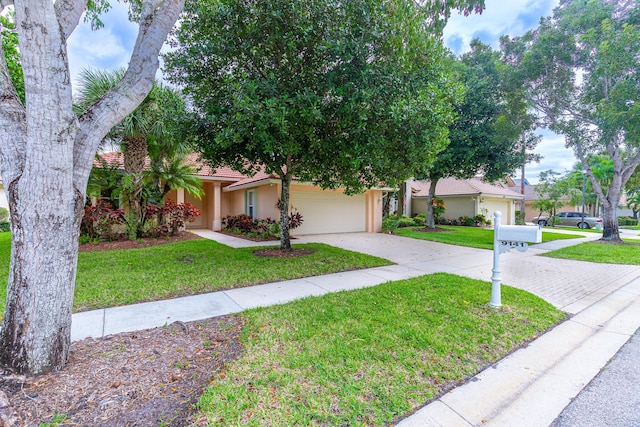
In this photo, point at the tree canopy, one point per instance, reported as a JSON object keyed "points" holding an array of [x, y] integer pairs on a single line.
{"points": [[482, 140], [582, 71], [344, 95]]}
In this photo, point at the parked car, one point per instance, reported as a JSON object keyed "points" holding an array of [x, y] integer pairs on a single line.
{"points": [[569, 219]]}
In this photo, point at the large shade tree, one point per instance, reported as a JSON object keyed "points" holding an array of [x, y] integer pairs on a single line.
{"points": [[346, 94], [46, 155], [481, 139], [582, 71]]}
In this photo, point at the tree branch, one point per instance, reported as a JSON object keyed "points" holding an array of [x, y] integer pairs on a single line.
{"points": [[13, 128], [69, 13], [157, 19]]}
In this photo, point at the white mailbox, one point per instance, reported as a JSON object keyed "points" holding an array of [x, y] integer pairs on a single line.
{"points": [[506, 237], [520, 233]]}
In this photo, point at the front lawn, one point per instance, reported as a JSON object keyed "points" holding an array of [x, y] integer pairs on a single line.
{"points": [[370, 356], [481, 238], [119, 277], [607, 253]]}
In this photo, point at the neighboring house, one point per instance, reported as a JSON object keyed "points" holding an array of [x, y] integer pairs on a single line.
{"points": [[530, 197], [228, 192], [468, 197]]}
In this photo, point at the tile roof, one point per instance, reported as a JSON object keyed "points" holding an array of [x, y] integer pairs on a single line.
{"points": [[259, 176], [463, 187], [116, 159]]}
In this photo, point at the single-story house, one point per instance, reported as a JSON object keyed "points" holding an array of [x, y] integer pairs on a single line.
{"points": [[227, 192], [468, 197]]}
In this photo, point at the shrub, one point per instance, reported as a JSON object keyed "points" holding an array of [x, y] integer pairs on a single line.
{"points": [[389, 224], [170, 218], [466, 221], [405, 221], [438, 208], [295, 220], [5, 226], [177, 215], [243, 223], [4, 215], [100, 220], [627, 221], [480, 220], [420, 219]]}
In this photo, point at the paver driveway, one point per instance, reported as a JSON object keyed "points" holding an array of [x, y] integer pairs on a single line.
{"points": [[568, 285]]}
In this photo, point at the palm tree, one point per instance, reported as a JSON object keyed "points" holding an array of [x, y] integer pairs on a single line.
{"points": [[174, 173], [146, 127]]}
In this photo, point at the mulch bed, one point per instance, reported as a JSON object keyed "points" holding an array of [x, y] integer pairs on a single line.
{"points": [[431, 230], [146, 378]]}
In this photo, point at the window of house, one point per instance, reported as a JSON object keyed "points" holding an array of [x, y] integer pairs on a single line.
{"points": [[250, 203]]}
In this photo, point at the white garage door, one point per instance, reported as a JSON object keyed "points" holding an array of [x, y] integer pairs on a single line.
{"points": [[329, 212]]}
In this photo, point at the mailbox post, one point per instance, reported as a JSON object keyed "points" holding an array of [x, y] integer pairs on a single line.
{"points": [[506, 237]]}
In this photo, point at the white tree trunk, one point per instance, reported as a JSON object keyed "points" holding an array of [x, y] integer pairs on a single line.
{"points": [[45, 158], [623, 168]]}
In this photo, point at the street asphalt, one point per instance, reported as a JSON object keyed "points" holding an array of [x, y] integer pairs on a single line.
{"points": [[612, 398]]}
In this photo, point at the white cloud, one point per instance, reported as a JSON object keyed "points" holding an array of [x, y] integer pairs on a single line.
{"points": [[499, 18], [107, 48], [555, 156]]}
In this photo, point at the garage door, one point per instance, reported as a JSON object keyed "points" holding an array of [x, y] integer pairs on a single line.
{"points": [[329, 212]]}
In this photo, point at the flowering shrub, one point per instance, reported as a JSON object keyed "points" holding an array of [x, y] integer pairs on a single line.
{"points": [[176, 216], [170, 218], [438, 208], [99, 221], [245, 224]]}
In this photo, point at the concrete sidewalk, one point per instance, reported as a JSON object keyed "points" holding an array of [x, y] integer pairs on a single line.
{"points": [[529, 387]]}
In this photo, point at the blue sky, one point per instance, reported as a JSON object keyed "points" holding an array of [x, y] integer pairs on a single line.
{"points": [[111, 46]]}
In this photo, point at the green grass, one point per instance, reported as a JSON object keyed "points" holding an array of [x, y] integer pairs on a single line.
{"points": [[119, 277], [481, 238], [601, 252], [631, 227], [370, 356]]}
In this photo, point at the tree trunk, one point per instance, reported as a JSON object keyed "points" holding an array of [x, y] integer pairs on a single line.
{"points": [[285, 238], [610, 224], [135, 155], [522, 203], [431, 221], [36, 329], [386, 207], [46, 153]]}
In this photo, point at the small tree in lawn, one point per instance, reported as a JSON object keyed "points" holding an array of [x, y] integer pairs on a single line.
{"points": [[346, 94], [551, 190]]}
